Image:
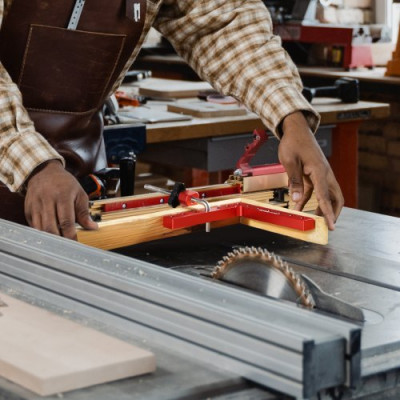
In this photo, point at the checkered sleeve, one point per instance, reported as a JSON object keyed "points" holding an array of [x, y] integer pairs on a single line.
{"points": [[230, 44], [22, 149]]}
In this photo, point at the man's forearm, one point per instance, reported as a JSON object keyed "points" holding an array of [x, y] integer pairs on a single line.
{"points": [[22, 149]]}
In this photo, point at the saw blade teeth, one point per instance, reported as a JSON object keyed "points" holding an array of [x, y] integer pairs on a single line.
{"points": [[243, 255], [286, 268], [309, 300]]}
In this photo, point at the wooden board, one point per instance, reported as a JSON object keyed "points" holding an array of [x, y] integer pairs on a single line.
{"points": [[151, 116], [141, 228], [169, 88], [204, 109], [48, 354]]}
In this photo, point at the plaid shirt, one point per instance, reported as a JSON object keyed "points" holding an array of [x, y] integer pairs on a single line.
{"points": [[228, 42]]}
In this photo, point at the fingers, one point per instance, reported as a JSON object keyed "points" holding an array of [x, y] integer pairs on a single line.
{"points": [[66, 221], [317, 177], [41, 216], [330, 202], [297, 190], [308, 190], [330, 198], [56, 208], [82, 213]]}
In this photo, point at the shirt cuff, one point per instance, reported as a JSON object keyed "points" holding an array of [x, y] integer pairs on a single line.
{"points": [[287, 100], [22, 156]]}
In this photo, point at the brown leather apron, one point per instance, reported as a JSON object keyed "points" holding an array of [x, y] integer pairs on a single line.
{"points": [[65, 75]]}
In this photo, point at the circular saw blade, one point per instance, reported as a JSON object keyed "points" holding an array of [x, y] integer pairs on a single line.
{"points": [[259, 270]]}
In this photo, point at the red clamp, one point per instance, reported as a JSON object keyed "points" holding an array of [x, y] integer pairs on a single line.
{"points": [[243, 165], [180, 195]]}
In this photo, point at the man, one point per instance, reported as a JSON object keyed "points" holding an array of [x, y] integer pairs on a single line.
{"points": [[65, 68]]}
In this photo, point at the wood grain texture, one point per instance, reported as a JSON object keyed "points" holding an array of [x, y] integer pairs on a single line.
{"points": [[318, 235], [135, 229], [170, 88], [204, 109], [48, 354]]}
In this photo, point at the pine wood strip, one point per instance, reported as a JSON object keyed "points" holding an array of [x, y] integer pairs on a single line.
{"points": [[130, 230], [141, 228], [48, 354], [319, 235]]}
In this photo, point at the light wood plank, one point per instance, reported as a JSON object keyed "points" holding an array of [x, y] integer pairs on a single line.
{"points": [[319, 235], [135, 229], [203, 109], [48, 354]]}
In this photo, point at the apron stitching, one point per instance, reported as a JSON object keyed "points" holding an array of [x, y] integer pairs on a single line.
{"points": [[114, 67], [21, 72], [63, 111]]}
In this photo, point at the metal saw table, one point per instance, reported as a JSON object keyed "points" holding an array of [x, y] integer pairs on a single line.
{"points": [[207, 335]]}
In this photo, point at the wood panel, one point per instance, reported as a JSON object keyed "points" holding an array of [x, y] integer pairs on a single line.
{"points": [[170, 88], [204, 109], [48, 354]]}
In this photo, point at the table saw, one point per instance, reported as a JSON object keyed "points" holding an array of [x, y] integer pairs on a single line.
{"points": [[213, 337]]}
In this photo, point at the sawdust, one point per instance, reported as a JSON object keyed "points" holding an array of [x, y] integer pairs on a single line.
{"points": [[2, 304]]}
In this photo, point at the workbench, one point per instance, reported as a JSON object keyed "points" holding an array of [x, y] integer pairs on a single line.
{"points": [[345, 120], [375, 75], [360, 265]]}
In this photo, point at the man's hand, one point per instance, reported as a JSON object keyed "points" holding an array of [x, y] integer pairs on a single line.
{"points": [[308, 169], [55, 201]]}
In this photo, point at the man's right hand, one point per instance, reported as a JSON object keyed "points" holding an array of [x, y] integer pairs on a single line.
{"points": [[55, 201]]}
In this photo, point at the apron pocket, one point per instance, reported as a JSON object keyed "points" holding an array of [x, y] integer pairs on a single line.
{"points": [[66, 70]]}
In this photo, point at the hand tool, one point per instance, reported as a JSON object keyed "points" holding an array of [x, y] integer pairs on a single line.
{"points": [[136, 75], [107, 182], [127, 167], [179, 195], [94, 186], [345, 89], [76, 14], [125, 100]]}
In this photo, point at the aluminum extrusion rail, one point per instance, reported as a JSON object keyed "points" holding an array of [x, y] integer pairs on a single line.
{"points": [[278, 345]]}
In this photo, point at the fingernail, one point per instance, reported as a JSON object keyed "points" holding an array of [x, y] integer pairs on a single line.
{"points": [[296, 196]]}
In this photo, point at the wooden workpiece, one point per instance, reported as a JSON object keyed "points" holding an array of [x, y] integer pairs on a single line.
{"points": [[147, 226], [204, 109], [171, 88], [48, 354]]}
